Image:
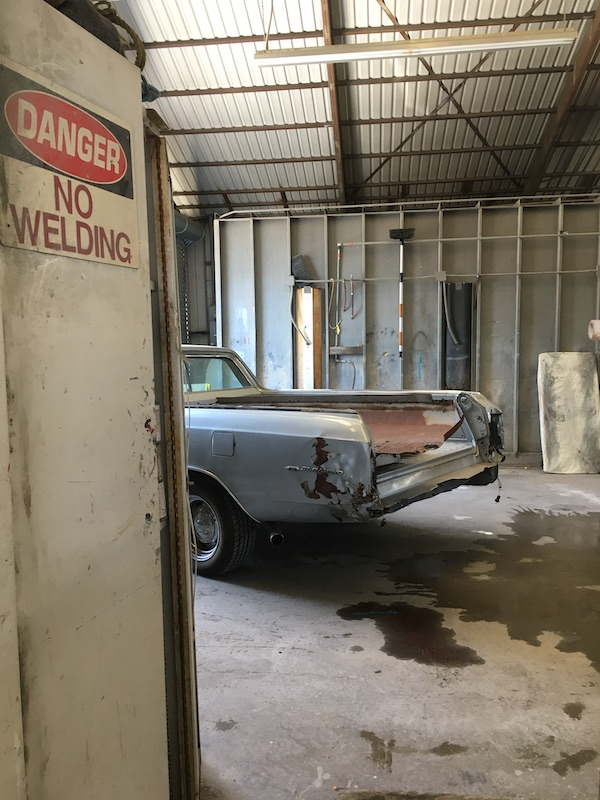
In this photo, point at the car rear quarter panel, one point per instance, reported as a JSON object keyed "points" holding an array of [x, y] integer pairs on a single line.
{"points": [[286, 465]]}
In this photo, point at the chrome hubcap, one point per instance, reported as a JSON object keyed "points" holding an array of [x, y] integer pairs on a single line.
{"points": [[206, 527]]}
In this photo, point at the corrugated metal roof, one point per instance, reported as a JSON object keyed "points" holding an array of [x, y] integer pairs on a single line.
{"points": [[505, 123]]}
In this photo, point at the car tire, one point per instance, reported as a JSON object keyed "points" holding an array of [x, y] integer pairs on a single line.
{"points": [[223, 535]]}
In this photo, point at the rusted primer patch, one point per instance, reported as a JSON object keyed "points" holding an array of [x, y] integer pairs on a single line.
{"points": [[398, 431], [322, 486], [331, 481]]}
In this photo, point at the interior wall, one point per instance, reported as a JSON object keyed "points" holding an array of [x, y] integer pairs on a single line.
{"points": [[200, 287], [272, 305], [533, 266], [12, 763], [236, 289], [83, 595], [198, 294]]}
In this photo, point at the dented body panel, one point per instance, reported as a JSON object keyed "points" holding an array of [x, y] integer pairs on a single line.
{"points": [[326, 456], [286, 465]]}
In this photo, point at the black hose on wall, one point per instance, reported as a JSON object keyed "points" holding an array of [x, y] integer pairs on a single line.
{"points": [[458, 314]]}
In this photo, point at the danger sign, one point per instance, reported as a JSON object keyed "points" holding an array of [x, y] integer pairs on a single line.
{"points": [[65, 136], [67, 172]]}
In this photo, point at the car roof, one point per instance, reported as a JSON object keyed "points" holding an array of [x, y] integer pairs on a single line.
{"points": [[207, 350]]}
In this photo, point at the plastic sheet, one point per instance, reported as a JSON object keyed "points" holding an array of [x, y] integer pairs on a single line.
{"points": [[569, 412]]}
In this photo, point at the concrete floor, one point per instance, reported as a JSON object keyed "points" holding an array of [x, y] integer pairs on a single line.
{"points": [[453, 653]]}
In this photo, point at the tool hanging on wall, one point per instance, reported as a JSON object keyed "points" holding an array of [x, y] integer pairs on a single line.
{"points": [[402, 235], [344, 301], [337, 327], [458, 309]]}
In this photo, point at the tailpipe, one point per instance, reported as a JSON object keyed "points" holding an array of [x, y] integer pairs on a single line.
{"points": [[276, 538]]}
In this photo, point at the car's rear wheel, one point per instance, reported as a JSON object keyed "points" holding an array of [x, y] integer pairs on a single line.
{"points": [[222, 534]]}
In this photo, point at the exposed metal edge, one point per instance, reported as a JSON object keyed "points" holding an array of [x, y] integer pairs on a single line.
{"points": [[456, 462]]}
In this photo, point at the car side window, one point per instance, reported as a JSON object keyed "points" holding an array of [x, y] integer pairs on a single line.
{"points": [[207, 374]]}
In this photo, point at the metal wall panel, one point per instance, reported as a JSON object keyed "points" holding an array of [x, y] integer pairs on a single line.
{"points": [[346, 261], [382, 270], [580, 295], [534, 266], [200, 292], [422, 262], [536, 336], [272, 259], [236, 309]]}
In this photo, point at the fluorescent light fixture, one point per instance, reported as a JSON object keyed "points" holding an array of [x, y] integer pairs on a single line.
{"points": [[407, 48]]}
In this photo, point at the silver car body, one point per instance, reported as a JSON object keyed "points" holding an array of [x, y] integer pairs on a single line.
{"points": [[331, 456]]}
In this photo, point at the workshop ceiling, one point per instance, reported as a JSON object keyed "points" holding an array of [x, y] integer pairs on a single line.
{"points": [[508, 123]]}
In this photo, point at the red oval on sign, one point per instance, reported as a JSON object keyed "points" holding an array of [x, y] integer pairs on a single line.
{"points": [[65, 137]]}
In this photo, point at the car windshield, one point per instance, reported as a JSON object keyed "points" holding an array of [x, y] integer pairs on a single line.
{"points": [[209, 374]]}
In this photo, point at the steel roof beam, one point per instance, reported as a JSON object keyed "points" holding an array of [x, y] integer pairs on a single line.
{"points": [[387, 185], [388, 200], [451, 76], [353, 156], [297, 126], [526, 19], [367, 156], [318, 34], [248, 162], [578, 143], [343, 83], [589, 40], [522, 112], [589, 177], [266, 190], [335, 109]]}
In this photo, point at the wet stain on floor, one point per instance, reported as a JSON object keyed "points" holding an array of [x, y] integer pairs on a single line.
{"points": [[413, 633], [529, 588], [574, 710], [371, 795], [448, 749], [381, 751], [574, 762], [225, 724]]}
